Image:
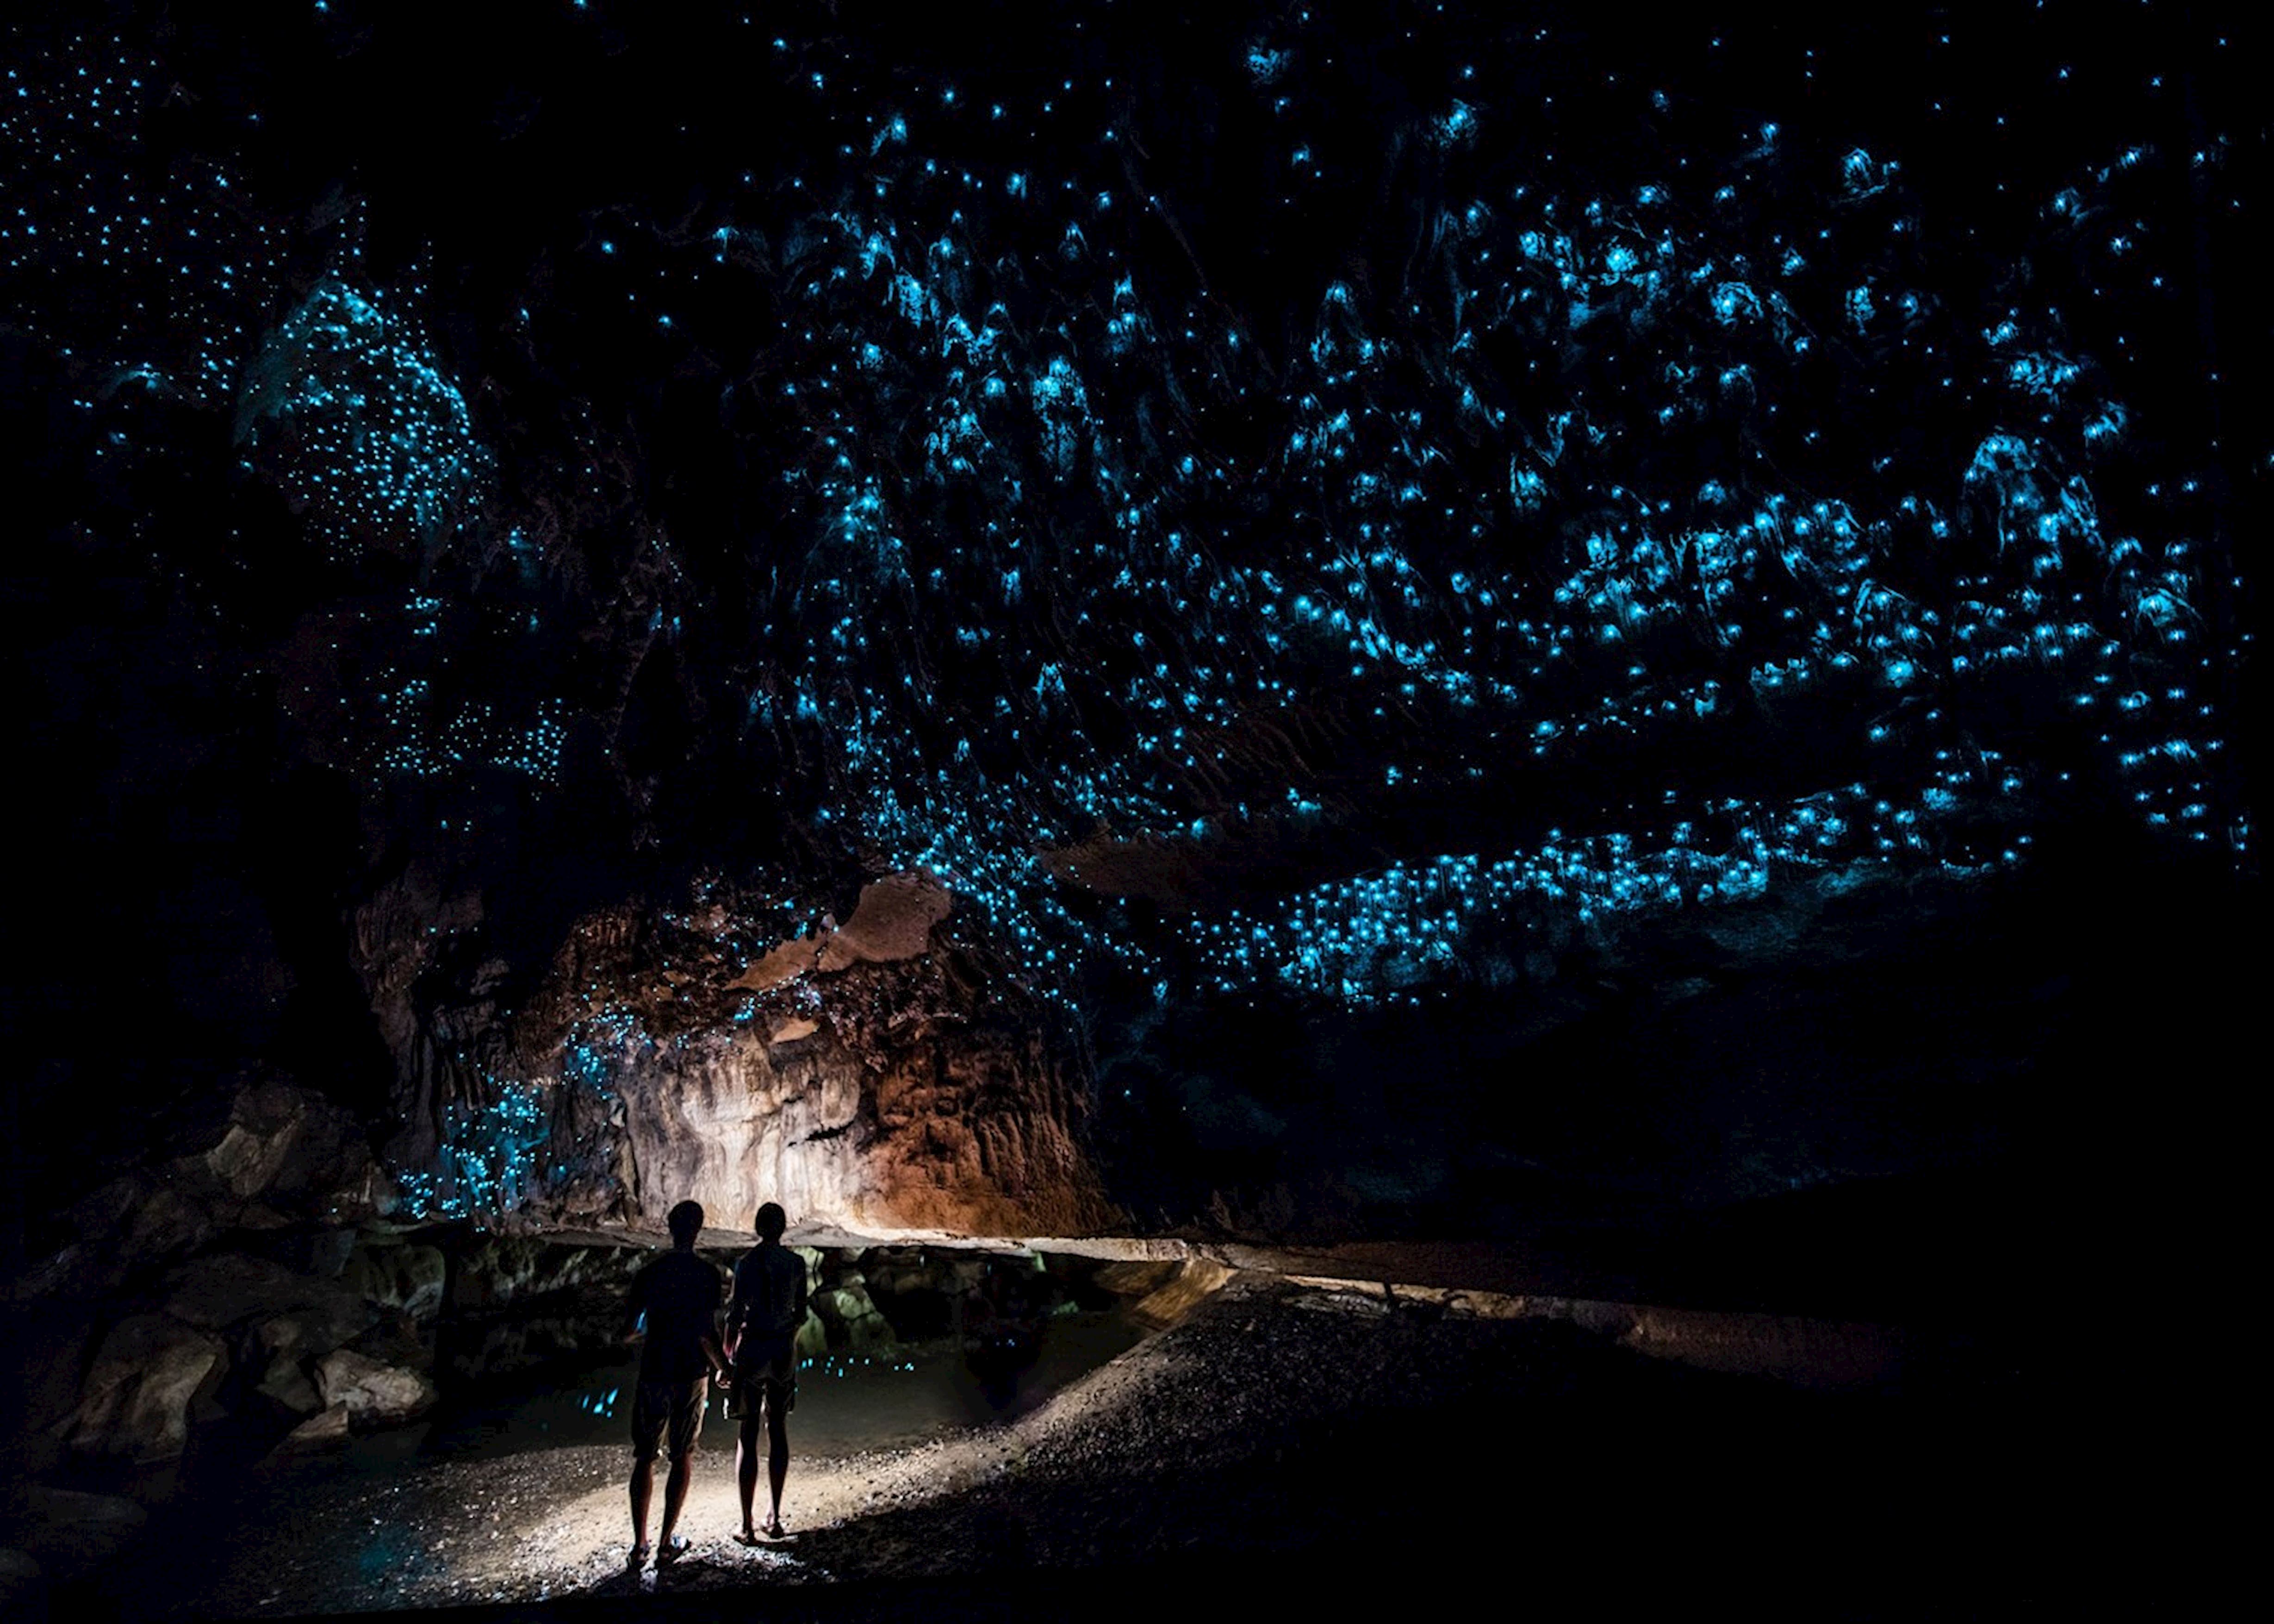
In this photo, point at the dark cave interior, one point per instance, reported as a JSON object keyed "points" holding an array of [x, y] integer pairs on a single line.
{"points": [[1297, 626]]}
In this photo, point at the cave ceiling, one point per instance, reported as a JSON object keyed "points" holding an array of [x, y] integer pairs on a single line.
{"points": [[1323, 508]]}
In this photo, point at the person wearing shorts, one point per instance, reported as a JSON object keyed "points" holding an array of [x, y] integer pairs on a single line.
{"points": [[675, 1300], [763, 1318]]}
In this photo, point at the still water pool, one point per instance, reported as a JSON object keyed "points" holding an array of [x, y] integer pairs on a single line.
{"points": [[847, 1402]]}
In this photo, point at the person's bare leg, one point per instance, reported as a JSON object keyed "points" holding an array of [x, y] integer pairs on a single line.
{"points": [[674, 1496], [746, 1472], [642, 1490], [777, 1459]]}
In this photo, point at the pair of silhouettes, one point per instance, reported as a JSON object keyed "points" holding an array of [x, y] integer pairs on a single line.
{"points": [[678, 1298]]}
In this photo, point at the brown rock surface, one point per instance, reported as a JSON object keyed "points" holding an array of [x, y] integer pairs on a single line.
{"points": [[893, 922], [284, 1141], [791, 959], [136, 1400], [933, 1128], [880, 1077], [372, 1392], [405, 1276], [230, 1289], [850, 1316], [325, 1426]]}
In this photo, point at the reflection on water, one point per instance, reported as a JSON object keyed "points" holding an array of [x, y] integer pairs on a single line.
{"points": [[847, 1402]]}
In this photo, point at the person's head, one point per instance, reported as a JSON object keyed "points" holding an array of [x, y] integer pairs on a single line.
{"points": [[772, 1221], [686, 1222]]}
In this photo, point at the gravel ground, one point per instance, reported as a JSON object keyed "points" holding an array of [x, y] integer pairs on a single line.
{"points": [[1366, 1445]]}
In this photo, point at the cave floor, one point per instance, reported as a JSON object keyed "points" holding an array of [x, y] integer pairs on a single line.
{"points": [[1352, 1447]]}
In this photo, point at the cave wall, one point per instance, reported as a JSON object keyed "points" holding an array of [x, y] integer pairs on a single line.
{"points": [[873, 1076]]}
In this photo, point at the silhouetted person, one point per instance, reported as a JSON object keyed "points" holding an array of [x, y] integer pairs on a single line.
{"points": [[679, 1295], [761, 1325]]}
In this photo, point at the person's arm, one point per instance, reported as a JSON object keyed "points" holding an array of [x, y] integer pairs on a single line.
{"points": [[719, 1368], [736, 1309]]}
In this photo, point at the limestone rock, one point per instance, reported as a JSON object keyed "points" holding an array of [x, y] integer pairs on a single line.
{"points": [[288, 1385], [396, 1340], [792, 959], [1137, 1277], [104, 1210], [170, 1223], [405, 1275], [893, 921], [1196, 1279], [851, 1317], [812, 1340], [293, 1148], [930, 1125], [299, 1335], [79, 1271], [373, 1393], [927, 1098], [499, 1270], [137, 1396], [296, 1314], [325, 1426]]}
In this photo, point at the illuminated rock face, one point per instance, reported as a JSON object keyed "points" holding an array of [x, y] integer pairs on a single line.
{"points": [[862, 1077], [951, 1130]]}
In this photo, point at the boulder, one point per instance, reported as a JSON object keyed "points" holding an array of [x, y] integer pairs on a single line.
{"points": [[396, 1340], [295, 1150], [82, 1271], [296, 1312], [105, 1210], [136, 1399], [1195, 1281], [852, 1319], [812, 1337], [375, 1394], [171, 1222], [403, 1275], [289, 1386], [327, 1426]]}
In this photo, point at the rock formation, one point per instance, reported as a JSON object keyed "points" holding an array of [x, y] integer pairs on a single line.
{"points": [[872, 1077]]}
